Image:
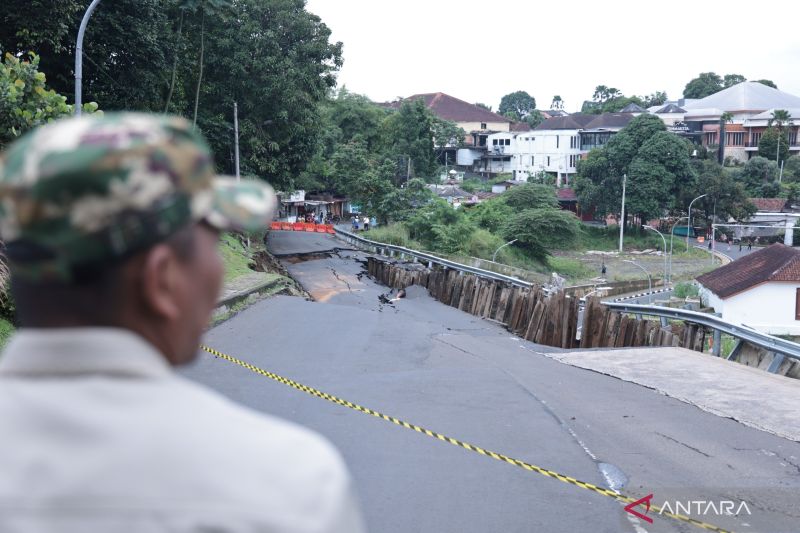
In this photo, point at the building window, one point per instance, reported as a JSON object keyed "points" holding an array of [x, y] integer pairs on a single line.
{"points": [[755, 138], [548, 160], [533, 158], [508, 142], [734, 138], [483, 125], [711, 137], [573, 141], [793, 138], [494, 142], [557, 138]]}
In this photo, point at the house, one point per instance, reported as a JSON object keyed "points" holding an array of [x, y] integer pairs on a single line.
{"points": [[554, 147], [750, 105], [296, 205], [773, 216], [761, 290], [503, 186]]}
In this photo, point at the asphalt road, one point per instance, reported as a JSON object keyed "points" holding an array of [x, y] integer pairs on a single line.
{"points": [[437, 367]]}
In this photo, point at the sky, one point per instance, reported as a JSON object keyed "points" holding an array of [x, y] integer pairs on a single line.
{"points": [[480, 51]]}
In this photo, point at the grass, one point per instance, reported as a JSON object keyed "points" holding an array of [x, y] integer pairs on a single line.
{"points": [[607, 239], [684, 290], [6, 330], [572, 269], [234, 256], [395, 234]]}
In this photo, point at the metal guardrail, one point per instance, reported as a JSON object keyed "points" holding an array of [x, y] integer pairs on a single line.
{"points": [[781, 347], [430, 259]]}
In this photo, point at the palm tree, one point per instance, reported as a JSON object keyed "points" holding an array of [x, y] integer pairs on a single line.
{"points": [[723, 119], [780, 117]]}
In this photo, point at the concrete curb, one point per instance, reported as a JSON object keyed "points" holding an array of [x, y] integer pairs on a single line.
{"points": [[250, 295]]}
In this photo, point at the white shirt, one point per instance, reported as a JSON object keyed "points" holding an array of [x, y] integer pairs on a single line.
{"points": [[97, 434]]}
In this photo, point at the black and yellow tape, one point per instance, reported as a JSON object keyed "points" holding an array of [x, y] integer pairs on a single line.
{"points": [[471, 447]]}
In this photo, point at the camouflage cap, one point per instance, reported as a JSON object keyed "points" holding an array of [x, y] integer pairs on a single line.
{"points": [[89, 190]]}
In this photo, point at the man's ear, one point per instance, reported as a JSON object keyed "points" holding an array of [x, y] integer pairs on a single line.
{"points": [[160, 282]]}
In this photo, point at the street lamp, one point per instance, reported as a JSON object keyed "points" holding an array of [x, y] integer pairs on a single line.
{"points": [[689, 222], [622, 213], [649, 280], [651, 228], [494, 255], [672, 236], [79, 57]]}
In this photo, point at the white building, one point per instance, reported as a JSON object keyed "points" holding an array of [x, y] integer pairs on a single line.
{"points": [[760, 290], [554, 147]]}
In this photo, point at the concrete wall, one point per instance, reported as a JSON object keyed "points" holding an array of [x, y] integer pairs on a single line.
{"points": [[491, 126], [769, 308]]}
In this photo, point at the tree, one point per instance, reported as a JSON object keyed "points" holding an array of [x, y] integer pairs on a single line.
{"points": [[768, 83], [492, 214], [654, 99], [732, 79], [534, 118], [520, 103], [409, 133], [773, 145], [447, 133], [757, 171], [539, 230], [791, 169], [483, 106], [557, 103], [707, 83], [726, 193], [25, 99], [530, 196]]}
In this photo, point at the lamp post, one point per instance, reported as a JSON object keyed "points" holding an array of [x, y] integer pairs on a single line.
{"points": [[671, 237], [689, 222], [651, 228], [622, 212], [494, 255], [649, 280], [79, 58]]}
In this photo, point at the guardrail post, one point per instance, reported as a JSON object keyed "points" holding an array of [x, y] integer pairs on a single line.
{"points": [[737, 348], [430, 264], [717, 343], [664, 322], [777, 359]]}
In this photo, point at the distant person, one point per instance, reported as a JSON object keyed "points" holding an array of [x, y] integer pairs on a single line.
{"points": [[373, 222], [749, 245], [111, 227], [603, 269], [740, 245], [366, 223], [354, 223]]}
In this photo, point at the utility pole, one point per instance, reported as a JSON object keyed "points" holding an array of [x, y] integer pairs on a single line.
{"points": [[622, 213], [236, 139], [79, 58]]}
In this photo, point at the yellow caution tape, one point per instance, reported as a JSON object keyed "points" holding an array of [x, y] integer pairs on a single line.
{"points": [[471, 447]]}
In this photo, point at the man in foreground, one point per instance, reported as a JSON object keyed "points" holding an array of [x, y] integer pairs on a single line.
{"points": [[111, 227]]}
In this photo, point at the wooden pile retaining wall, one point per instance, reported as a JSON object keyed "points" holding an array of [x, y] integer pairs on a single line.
{"points": [[530, 314]]}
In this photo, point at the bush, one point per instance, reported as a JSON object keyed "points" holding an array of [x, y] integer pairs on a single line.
{"points": [[483, 244], [395, 234], [684, 290]]}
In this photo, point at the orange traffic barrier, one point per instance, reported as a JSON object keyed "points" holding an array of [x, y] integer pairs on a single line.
{"points": [[299, 226], [320, 228], [286, 226], [329, 229], [275, 225], [309, 226]]}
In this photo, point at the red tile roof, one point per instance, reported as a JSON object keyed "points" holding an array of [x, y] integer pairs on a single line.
{"points": [[774, 263], [566, 195], [771, 205], [448, 107]]}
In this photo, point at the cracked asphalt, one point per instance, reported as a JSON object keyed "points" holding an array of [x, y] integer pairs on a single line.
{"points": [[453, 373]]}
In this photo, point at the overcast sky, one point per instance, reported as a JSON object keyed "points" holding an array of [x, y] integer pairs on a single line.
{"points": [[481, 50]]}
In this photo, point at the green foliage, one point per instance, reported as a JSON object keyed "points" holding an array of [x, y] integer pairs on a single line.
{"points": [[756, 171], [539, 230], [483, 243], [768, 83], [727, 195], [447, 133], [6, 330], [530, 196], [518, 104], [686, 290], [396, 234], [25, 99], [398, 204], [491, 214], [409, 132], [791, 169], [439, 227], [707, 83], [732, 79], [534, 118], [768, 144], [235, 257], [655, 161]]}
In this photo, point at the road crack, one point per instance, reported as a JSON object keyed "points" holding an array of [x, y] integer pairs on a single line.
{"points": [[683, 444]]}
